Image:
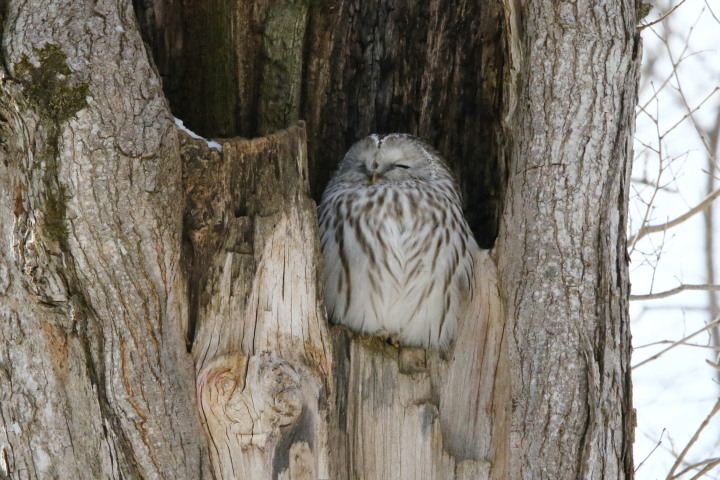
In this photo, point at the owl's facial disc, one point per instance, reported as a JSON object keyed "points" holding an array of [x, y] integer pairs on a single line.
{"points": [[392, 163], [386, 160]]}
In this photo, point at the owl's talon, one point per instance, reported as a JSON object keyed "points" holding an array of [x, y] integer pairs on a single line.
{"points": [[392, 341]]}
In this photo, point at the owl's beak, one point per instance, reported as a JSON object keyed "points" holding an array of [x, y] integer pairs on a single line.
{"points": [[373, 178]]}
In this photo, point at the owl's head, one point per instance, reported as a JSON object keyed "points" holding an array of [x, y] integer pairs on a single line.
{"points": [[394, 158]]}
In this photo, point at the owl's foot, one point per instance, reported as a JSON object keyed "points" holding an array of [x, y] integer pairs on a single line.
{"points": [[390, 338], [393, 341]]}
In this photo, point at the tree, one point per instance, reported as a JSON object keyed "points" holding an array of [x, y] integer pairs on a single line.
{"points": [[158, 294]]}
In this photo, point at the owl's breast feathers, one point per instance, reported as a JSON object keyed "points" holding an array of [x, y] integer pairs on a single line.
{"points": [[397, 257]]}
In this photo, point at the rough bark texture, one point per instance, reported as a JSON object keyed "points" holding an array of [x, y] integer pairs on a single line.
{"points": [[158, 298], [562, 253], [93, 308]]}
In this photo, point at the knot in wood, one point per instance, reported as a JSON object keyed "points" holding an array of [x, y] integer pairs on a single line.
{"points": [[282, 384], [250, 397]]}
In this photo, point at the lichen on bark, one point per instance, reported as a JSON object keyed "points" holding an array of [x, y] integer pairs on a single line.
{"points": [[48, 85]]}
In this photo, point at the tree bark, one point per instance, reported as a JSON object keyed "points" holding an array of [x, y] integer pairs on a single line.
{"points": [[159, 297], [562, 250], [93, 307]]}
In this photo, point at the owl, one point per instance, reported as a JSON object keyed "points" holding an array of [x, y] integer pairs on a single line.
{"points": [[396, 247]]}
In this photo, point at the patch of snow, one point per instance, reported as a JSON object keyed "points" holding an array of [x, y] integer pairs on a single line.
{"points": [[210, 143]]}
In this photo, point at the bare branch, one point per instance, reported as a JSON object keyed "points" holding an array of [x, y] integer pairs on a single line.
{"points": [[646, 230], [692, 441], [679, 342], [708, 462], [711, 12], [670, 342], [649, 183], [691, 112], [709, 231], [707, 468], [675, 291], [649, 204], [640, 28], [659, 442]]}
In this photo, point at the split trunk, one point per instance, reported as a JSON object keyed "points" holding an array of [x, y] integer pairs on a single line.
{"points": [[160, 313]]}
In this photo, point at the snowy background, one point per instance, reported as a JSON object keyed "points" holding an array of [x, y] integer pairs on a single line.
{"points": [[675, 393]]}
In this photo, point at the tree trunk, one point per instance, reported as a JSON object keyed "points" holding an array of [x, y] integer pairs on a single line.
{"points": [[95, 375], [562, 250], [159, 297]]}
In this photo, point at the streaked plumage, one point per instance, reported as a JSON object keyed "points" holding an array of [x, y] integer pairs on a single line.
{"points": [[397, 250]]}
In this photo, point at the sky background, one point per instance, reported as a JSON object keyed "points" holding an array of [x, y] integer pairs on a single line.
{"points": [[674, 393]]}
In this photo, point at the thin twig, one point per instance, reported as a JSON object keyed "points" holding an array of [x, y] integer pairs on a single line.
{"points": [[711, 12], [640, 28], [675, 291], [692, 441], [661, 168], [676, 221], [686, 103], [648, 183], [678, 343], [684, 308], [691, 112], [670, 342], [659, 442]]}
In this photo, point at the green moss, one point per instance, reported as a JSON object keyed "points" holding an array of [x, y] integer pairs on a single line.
{"points": [[642, 10], [48, 87], [51, 92], [54, 226]]}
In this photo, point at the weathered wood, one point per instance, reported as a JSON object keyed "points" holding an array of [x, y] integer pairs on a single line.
{"points": [[409, 413], [393, 420], [262, 349], [475, 394]]}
